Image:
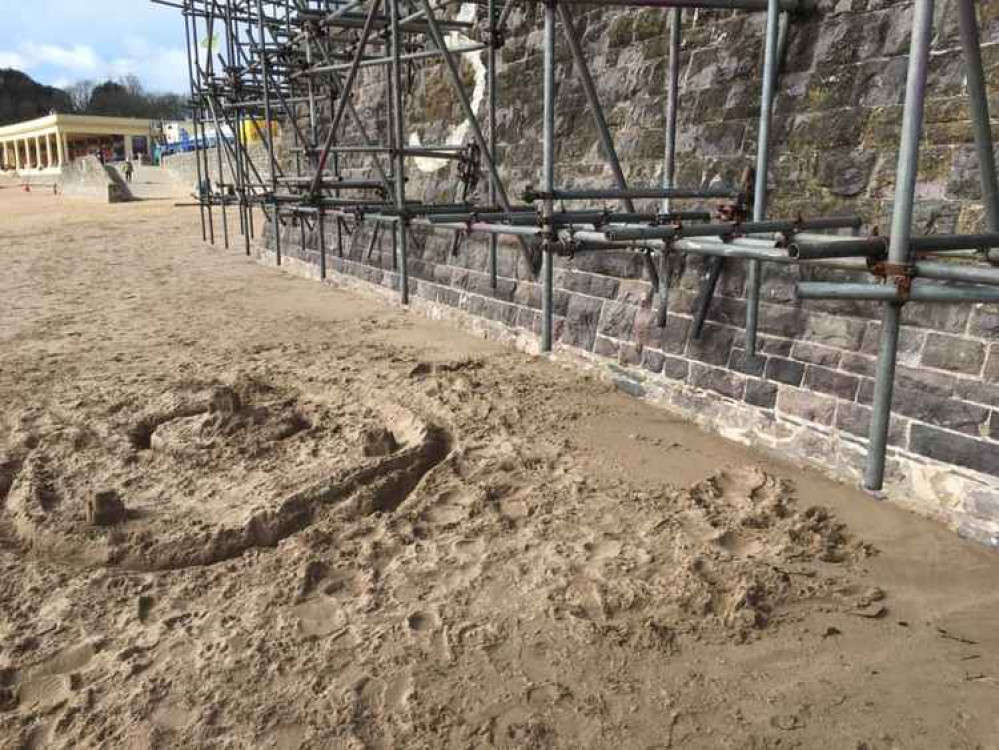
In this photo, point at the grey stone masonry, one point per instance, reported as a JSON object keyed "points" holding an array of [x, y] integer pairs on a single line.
{"points": [[807, 393]]}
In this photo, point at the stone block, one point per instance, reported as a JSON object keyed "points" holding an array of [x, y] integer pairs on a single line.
{"points": [[940, 317], [739, 361], [785, 371], [991, 373], [676, 368], [856, 419], [836, 332], [617, 320], [812, 407], [501, 312], [606, 347], [630, 354], [761, 393], [953, 354], [783, 321], [839, 384], [581, 320], [728, 311], [984, 322], [588, 283], [977, 391], [880, 84], [949, 447], [714, 346], [938, 383], [634, 292], [984, 504], [777, 347], [816, 354], [621, 265], [910, 342], [670, 338], [928, 407], [718, 380], [652, 360]]}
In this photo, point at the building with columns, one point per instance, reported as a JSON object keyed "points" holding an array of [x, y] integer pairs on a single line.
{"points": [[46, 144]]}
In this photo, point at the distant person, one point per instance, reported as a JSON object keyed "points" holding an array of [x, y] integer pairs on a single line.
{"points": [[128, 169], [100, 156]]}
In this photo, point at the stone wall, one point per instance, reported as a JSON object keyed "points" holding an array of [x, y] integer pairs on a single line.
{"points": [[808, 395], [183, 168], [87, 178]]}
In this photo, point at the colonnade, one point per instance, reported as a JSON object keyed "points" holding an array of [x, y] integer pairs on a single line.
{"points": [[42, 151]]}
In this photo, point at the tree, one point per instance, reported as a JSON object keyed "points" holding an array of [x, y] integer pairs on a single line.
{"points": [[79, 94]]}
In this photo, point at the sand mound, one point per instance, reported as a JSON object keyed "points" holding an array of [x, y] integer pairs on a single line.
{"points": [[728, 555], [205, 472]]}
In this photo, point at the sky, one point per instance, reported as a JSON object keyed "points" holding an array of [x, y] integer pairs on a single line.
{"points": [[58, 42]]}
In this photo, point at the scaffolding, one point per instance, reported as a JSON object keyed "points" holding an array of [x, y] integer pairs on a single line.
{"points": [[255, 63]]}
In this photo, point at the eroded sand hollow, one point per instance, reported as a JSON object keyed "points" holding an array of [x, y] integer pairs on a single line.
{"points": [[205, 471]]}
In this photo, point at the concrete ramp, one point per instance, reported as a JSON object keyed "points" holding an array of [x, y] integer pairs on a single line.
{"points": [[89, 179], [152, 183]]}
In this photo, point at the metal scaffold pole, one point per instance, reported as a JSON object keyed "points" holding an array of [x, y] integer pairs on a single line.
{"points": [[901, 229], [669, 155], [981, 122], [548, 180], [399, 175], [753, 278]]}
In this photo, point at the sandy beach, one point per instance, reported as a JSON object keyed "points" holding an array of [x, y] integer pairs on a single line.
{"points": [[241, 509]]}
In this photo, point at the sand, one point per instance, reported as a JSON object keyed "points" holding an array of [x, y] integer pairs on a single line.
{"points": [[239, 509]]}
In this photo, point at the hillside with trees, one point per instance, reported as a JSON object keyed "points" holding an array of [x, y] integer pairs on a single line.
{"points": [[22, 98]]}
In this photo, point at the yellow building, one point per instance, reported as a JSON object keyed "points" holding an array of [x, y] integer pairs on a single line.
{"points": [[46, 144]]}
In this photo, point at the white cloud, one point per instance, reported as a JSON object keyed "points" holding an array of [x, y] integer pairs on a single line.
{"points": [[160, 68], [79, 59], [12, 60]]}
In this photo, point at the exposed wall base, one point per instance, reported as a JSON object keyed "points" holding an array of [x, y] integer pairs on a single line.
{"points": [[964, 500]]}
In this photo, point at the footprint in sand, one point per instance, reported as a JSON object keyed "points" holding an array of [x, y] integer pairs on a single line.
{"points": [[319, 616]]}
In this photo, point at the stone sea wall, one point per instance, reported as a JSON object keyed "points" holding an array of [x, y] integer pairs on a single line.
{"points": [[808, 395], [183, 168]]}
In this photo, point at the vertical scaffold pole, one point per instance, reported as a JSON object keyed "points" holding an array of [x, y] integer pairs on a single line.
{"points": [[233, 44], [473, 121], [491, 94], [191, 79], [399, 153], [979, 104], [269, 127], [548, 181], [755, 272], [901, 229], [669, 156], [590, 91]]}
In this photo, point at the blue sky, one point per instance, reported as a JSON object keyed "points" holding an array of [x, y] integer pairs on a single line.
{"points": [[58, 42]]}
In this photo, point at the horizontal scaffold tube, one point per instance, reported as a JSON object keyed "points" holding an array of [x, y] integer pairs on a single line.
{"points": [[791, 6], [876, 247], [729, 228], [969, 274], [601, 218], [892, 293], [864, 247], [531, 195], [369, 61]]}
